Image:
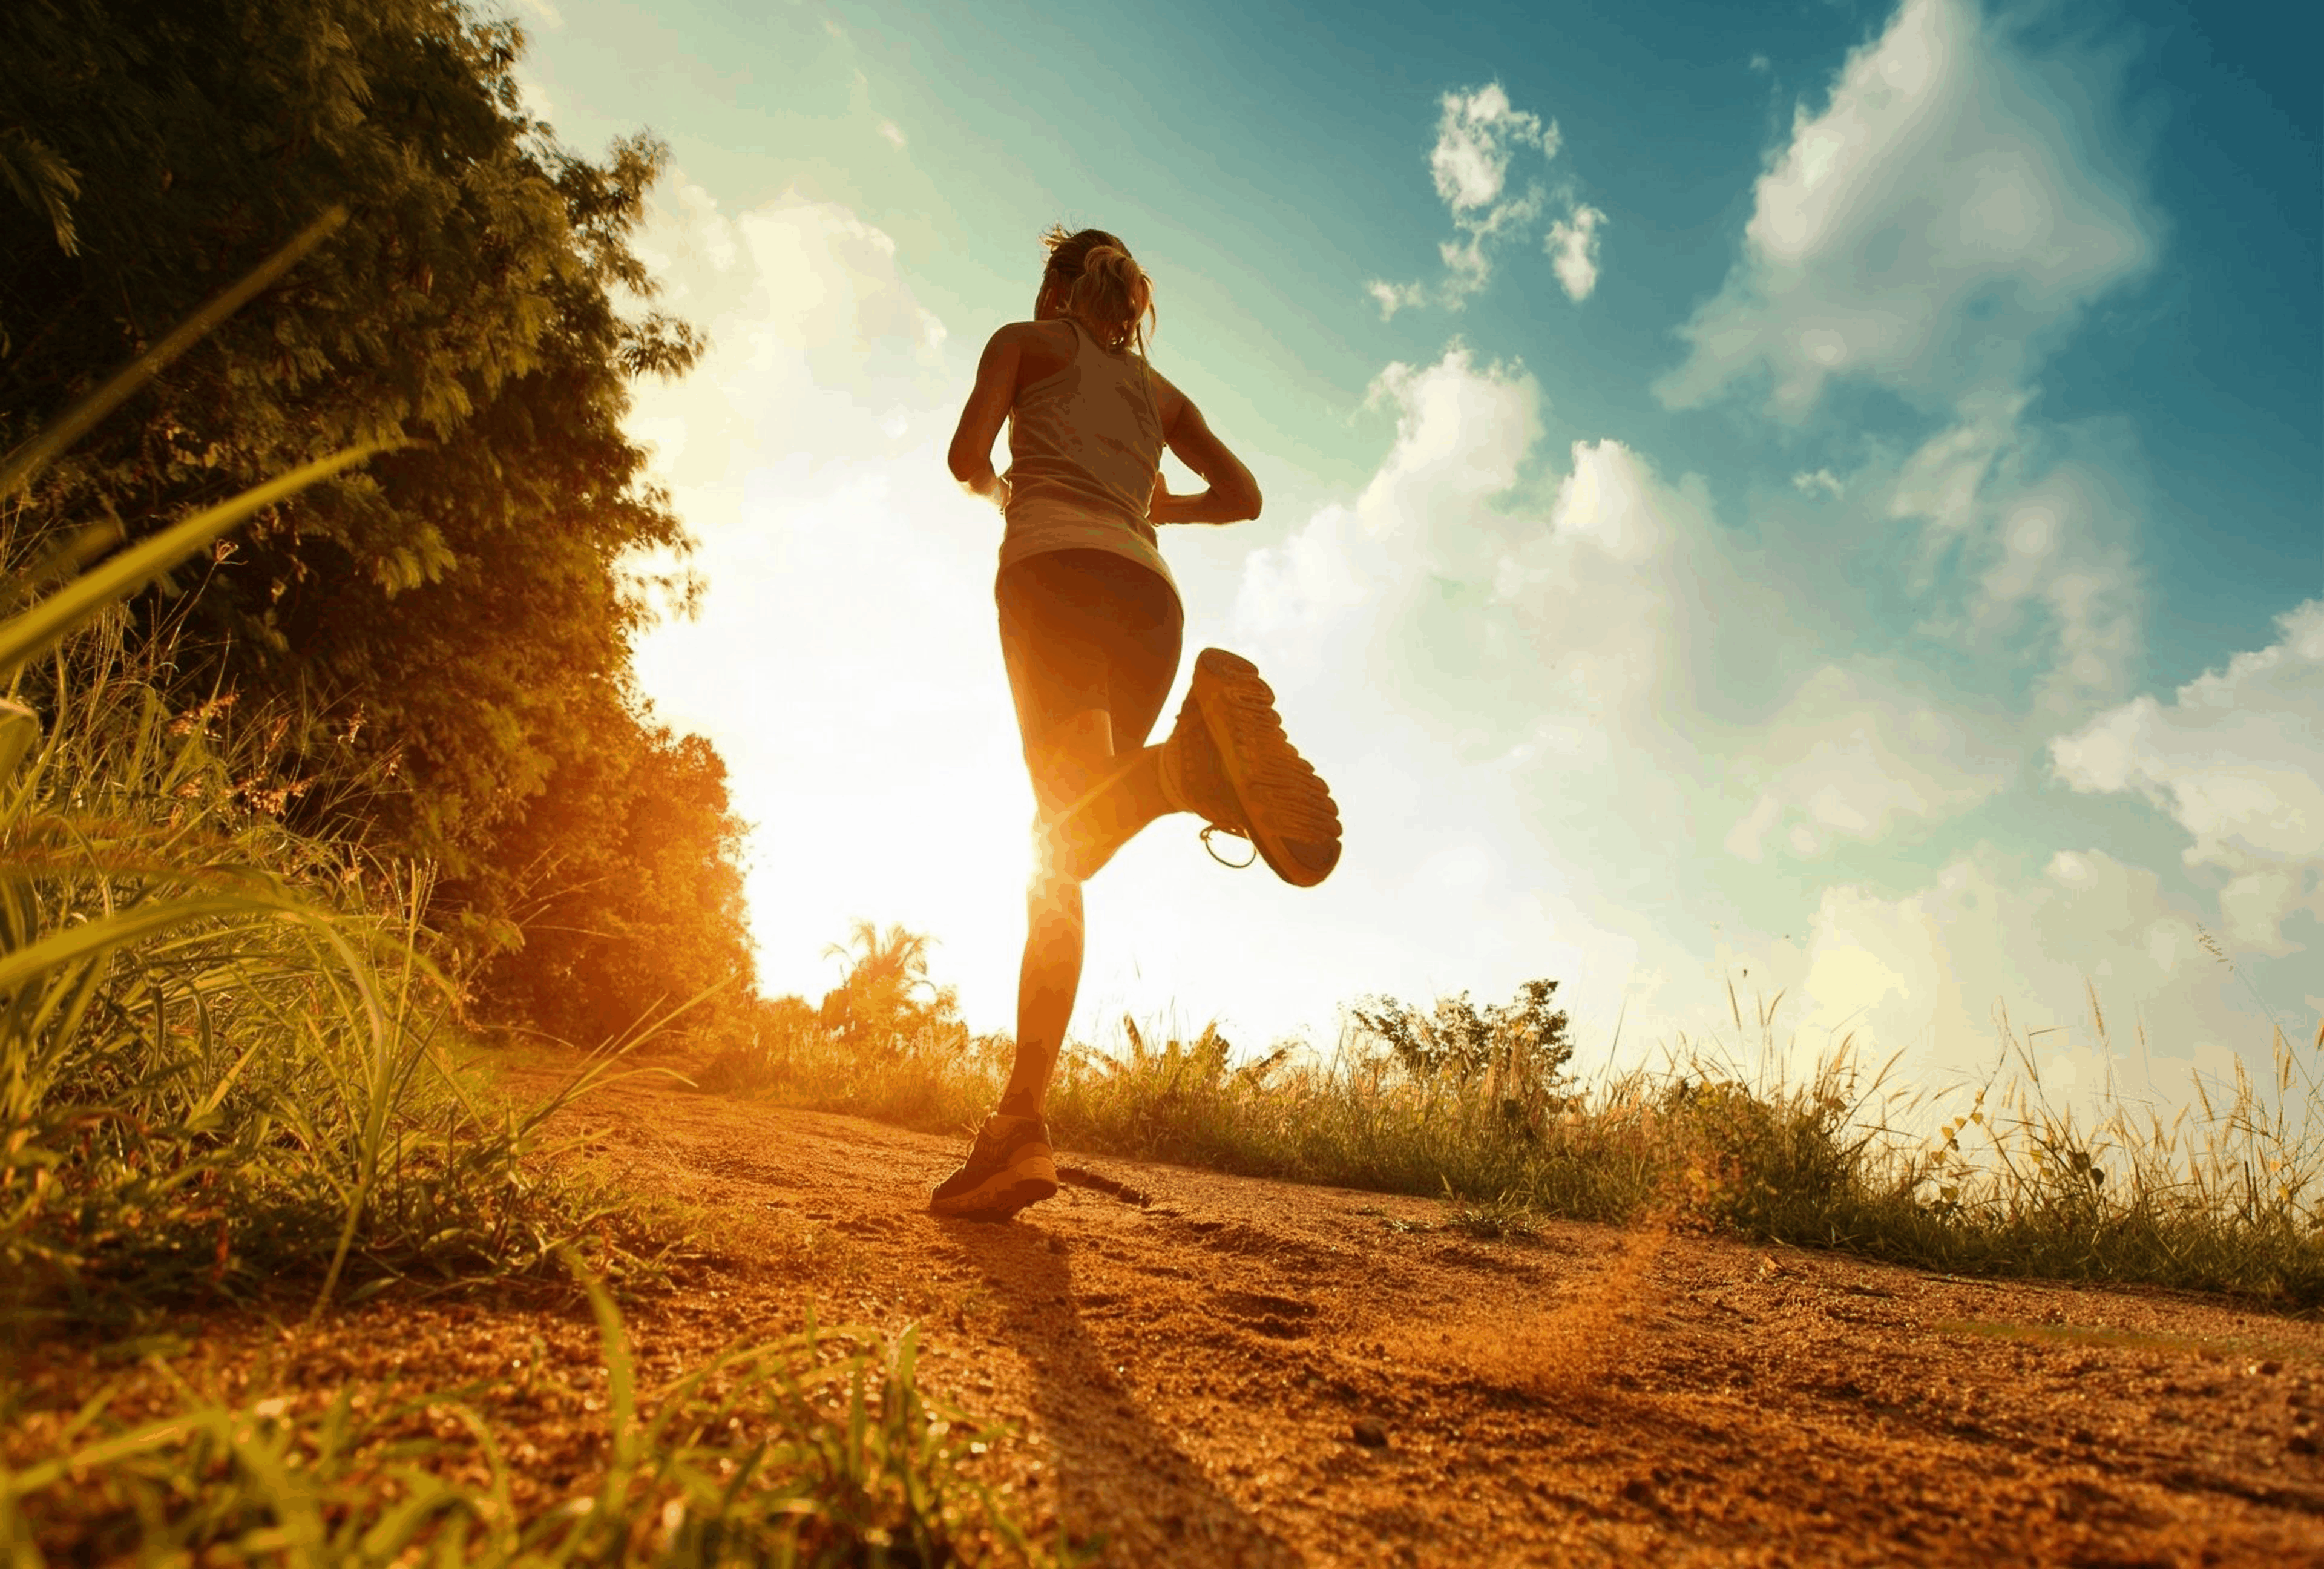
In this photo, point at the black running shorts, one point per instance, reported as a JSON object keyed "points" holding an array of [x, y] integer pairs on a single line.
{"points": [[1084, 629]]}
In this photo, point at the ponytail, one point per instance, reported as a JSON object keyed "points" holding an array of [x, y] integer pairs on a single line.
{"points": [[1099, 285]]}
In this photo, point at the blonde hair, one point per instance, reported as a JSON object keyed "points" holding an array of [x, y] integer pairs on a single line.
{"points": [[1098, 284]]}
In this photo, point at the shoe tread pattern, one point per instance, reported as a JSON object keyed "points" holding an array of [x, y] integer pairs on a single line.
{"points": [[1287, 810]]}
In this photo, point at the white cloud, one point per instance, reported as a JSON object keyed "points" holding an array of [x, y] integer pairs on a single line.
{"points": [[2041, 538], [1467, 266], [1567, 605], [1823, 479], [543, 12], [1478, 135], [1392, 298], [1848, 759], [1464, 649], [2236, 759], [1461, 430], [1941, 483], [893, 132], [2052, 554], [1921, 231], [1573, 247], [1922, 976], [1496, 677]]}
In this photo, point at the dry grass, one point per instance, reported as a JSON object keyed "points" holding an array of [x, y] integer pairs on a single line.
{"points": [[2227, 1195]]}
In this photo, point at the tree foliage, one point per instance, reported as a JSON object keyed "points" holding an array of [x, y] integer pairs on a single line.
{"points": [[886, 997], [1522, 1043], [627, 889], [455, 624]]}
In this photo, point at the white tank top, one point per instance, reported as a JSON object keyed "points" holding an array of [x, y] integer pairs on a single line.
{"points": [[1084, 446]]}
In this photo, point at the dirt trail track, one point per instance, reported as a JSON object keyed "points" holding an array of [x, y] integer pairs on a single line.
{"points": [[1190, 1372], [1190, 1375]]}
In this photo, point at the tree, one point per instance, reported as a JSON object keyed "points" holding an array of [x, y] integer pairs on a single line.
{"points": [[628, 900], [886, 997], [455, 623]]}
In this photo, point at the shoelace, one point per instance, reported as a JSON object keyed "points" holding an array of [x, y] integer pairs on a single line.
{"points": [[1232, 865]]}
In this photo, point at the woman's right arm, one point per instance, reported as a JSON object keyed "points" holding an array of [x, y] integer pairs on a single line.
{"points": [[981, 419], [1233, 494]]}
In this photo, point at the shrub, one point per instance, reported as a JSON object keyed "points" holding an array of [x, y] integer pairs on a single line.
{"points": [[1474, 1105]]}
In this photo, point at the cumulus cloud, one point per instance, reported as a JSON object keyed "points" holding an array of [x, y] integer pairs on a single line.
{"points": [[1479, 134], [2236, 759], [2053, 555], [1530, 623], [1483, 656], [1573, 247], [1921, 231], [1942, 482], [1392, 298], [1511, 659], [1850, 759], [1926, 976], [1461, 430], [795, 288], [2026, 552]]}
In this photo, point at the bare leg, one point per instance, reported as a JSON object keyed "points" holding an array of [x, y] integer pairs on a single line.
{"points": [[1049, 978], [1047, 985]]}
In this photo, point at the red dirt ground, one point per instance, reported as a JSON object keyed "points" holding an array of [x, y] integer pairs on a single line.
{"points": [[1244, 1373]]}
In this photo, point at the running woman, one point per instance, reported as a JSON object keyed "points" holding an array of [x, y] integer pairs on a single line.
{"points": [[1090, 630]]}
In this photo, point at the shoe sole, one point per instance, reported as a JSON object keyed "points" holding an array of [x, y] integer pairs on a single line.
{"points": [[1288, 809], [1005, 1192]]}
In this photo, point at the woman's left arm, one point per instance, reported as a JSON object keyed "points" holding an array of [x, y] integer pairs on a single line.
{"points": [[981, 419]]}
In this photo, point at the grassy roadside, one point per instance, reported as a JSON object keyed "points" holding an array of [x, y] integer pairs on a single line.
{"points": [[260, 1095], [227, 1074], [2228, 1196]]}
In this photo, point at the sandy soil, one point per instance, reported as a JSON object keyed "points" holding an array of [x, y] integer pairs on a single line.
{"points": [[1208, 1370]]}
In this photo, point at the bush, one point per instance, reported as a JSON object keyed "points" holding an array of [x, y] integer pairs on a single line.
{"points": [[1474, 1105]]}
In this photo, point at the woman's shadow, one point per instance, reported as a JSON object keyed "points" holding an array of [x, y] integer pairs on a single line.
{"points": [[1120, 1480]]}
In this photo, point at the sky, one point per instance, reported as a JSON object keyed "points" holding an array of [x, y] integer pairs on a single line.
{"points": [[1823, 500]]}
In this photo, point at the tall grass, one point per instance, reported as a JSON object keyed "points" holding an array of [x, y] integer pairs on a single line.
{"points": [[2227, 1196], [257, 1078], [221, 1058]]}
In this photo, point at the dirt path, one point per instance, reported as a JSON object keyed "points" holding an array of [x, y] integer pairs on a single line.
{"points": [[1236, 1371]]}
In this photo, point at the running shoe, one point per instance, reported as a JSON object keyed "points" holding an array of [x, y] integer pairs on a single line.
{"points": [[1228, 760], [1009, 1166]]}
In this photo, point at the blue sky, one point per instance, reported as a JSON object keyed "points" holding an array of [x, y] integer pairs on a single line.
{"points": [[1834, 494]]}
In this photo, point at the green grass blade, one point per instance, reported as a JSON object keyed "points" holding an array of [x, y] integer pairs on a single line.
{"points": [[130, 925]]}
